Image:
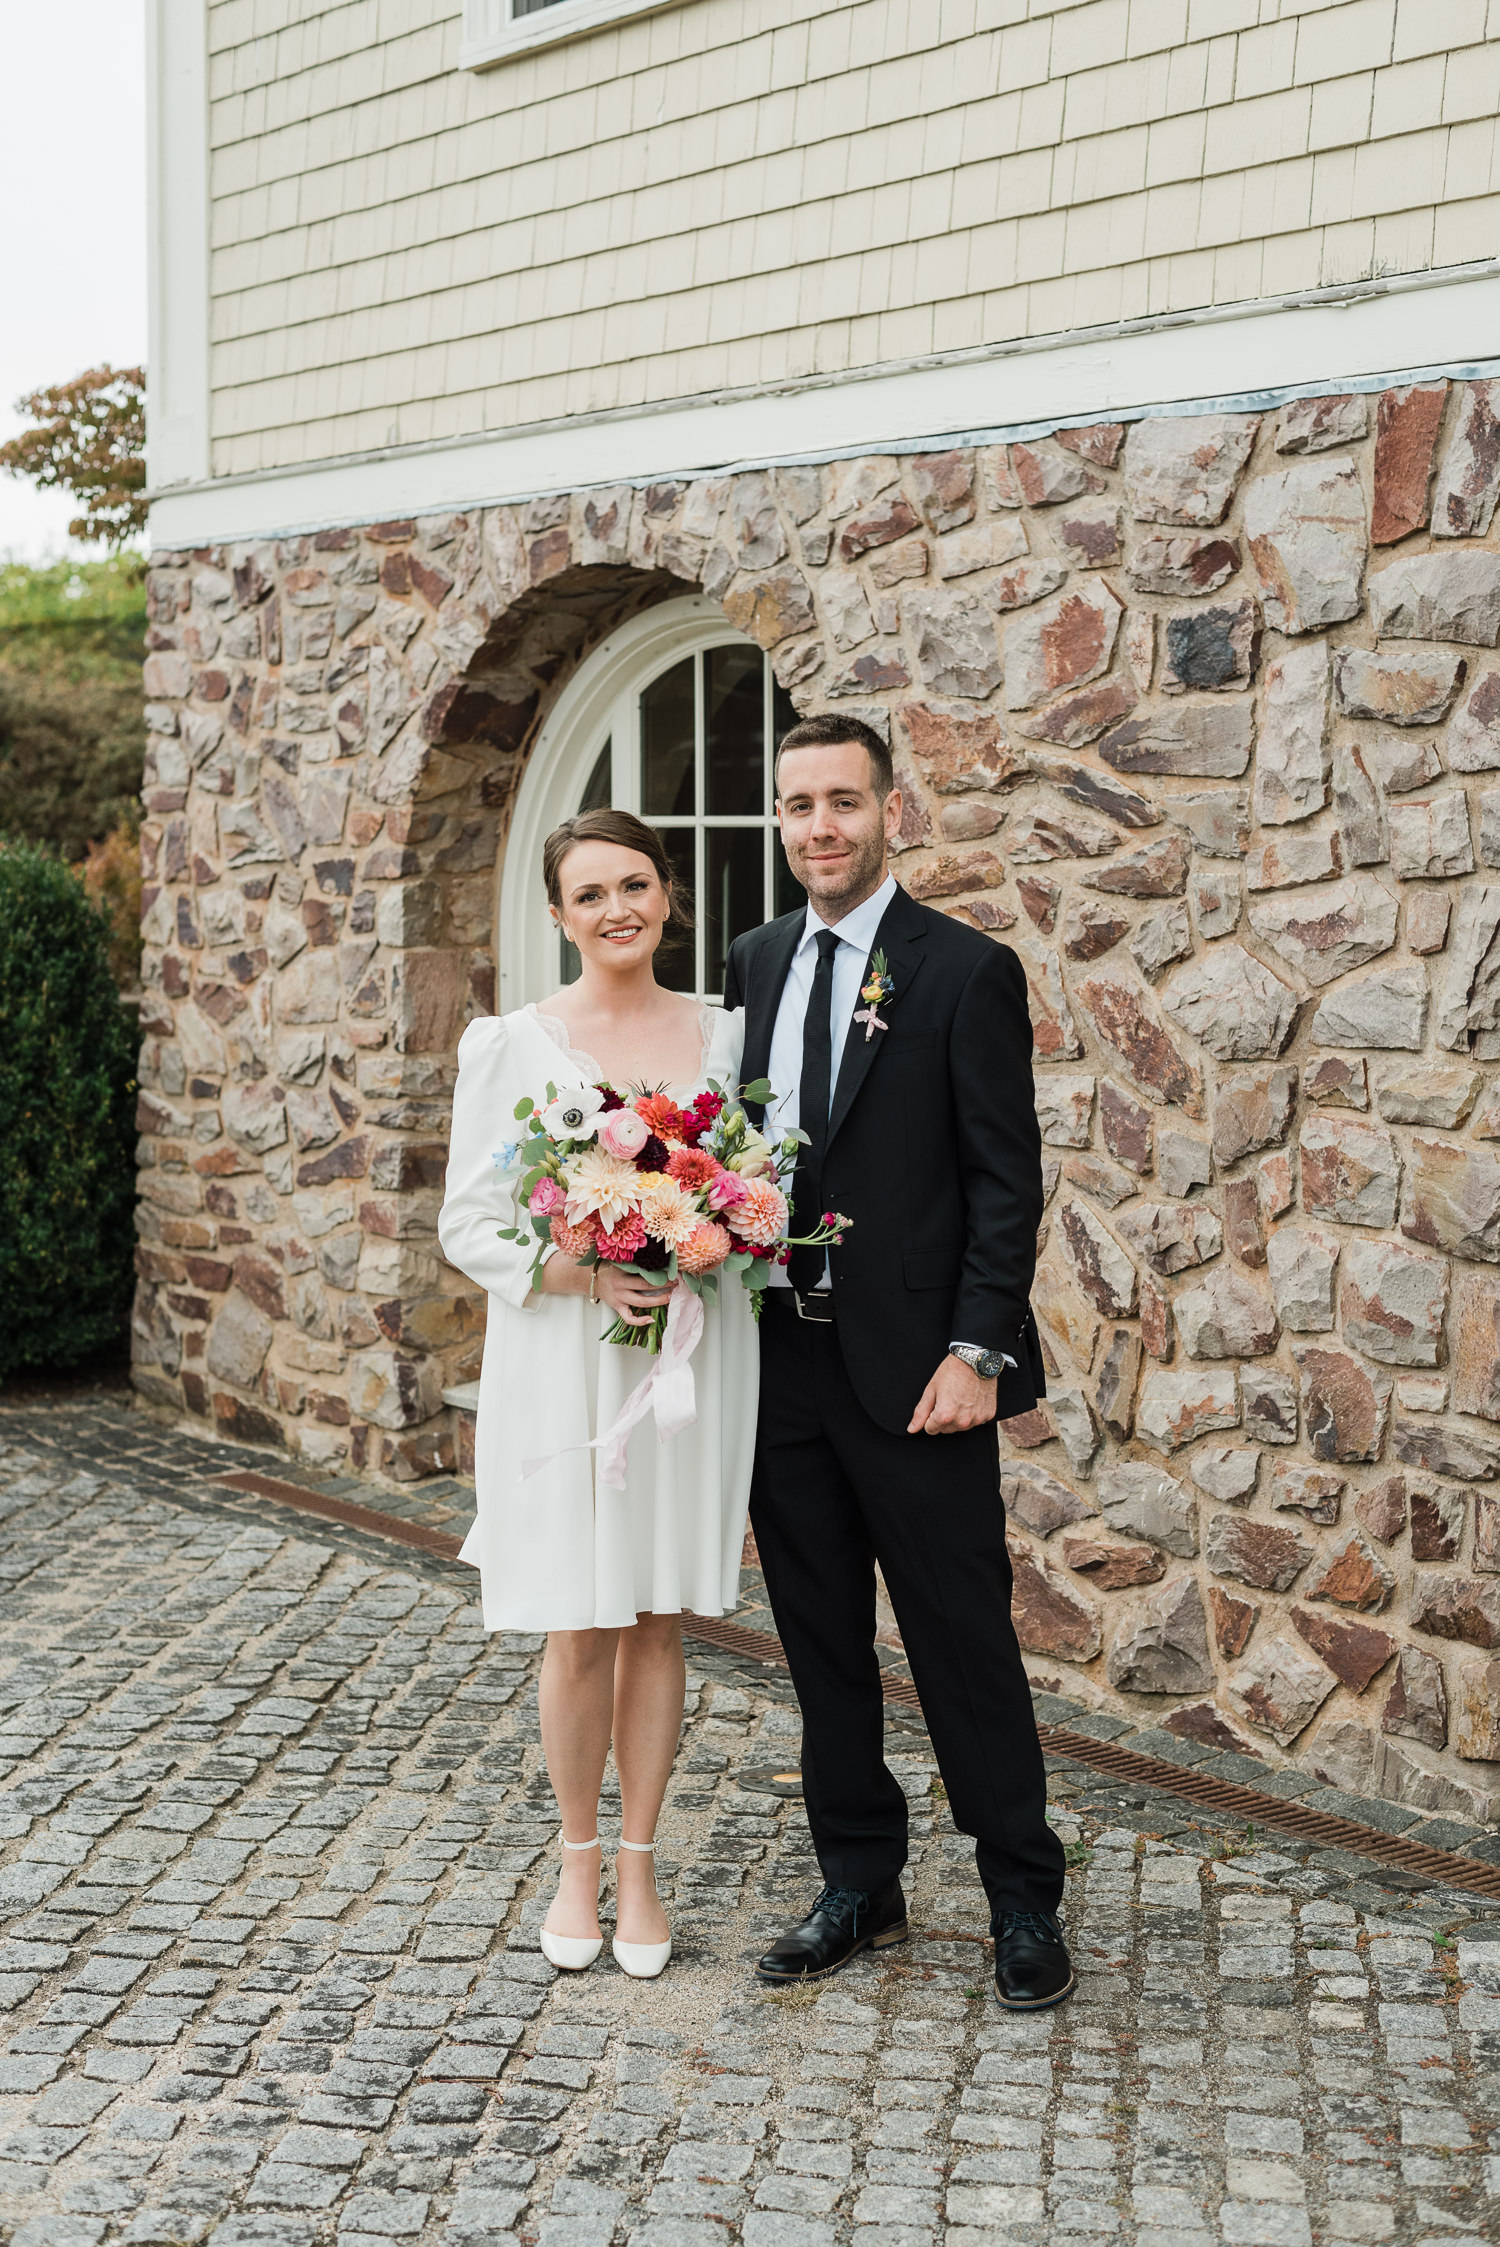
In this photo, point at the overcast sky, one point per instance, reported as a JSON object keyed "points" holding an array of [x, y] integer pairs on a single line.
{"points": [[73, 187]]}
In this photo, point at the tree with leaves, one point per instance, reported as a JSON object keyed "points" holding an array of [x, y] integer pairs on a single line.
{"points": [[90, 440], [72, 736]]}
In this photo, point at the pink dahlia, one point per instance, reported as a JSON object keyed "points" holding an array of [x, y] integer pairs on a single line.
{"points": [[691, 1167], [575, 1240], [760, 1215], [704, 1250], [625, 1242], [546, 1198]]}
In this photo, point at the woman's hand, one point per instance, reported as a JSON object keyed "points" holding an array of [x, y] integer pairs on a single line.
{"points": [[629, 1297]]}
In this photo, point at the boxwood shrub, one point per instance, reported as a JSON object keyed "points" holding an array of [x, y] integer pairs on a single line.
{"points": [[67, 1098]]}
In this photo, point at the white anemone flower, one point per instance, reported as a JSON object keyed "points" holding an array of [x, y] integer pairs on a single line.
{"points": [[600, 1185], [574, 1114]]}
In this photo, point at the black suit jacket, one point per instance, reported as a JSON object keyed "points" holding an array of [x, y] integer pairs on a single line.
{"points": [[933, 1151]]}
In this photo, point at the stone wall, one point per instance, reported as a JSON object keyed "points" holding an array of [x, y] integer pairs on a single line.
{"points": [[1200, 715]]}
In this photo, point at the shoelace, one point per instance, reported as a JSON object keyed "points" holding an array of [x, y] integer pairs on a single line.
{"points": [[1031, 1923], [843, 1906]]}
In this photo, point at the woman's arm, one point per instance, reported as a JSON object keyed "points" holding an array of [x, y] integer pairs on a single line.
{"points": [[478, 1198]]}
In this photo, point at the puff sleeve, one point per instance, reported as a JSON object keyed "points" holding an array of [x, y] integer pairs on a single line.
{"points": [[477, 1199]]}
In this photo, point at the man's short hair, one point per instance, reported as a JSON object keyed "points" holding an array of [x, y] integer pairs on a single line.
{"points": [[827, 731]]}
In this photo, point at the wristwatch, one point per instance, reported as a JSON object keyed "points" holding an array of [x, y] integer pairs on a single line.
{"points": [[986, 1363]]}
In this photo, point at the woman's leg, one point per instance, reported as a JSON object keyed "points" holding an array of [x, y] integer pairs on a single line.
{"points": [[650, 1680], [576, 1703]]}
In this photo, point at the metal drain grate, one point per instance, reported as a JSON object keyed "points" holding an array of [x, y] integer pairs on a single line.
{"points": [[339, 1509], [1260, 1809], [1248, 1803], [1318, 1826]]}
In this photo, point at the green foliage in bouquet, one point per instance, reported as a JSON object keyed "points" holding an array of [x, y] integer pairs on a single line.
{"points": [[67, 1099]]}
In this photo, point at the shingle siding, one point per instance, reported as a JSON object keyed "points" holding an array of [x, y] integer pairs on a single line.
{"points": [[712, 196]]}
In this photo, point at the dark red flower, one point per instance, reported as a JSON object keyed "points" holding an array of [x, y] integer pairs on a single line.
{"points": [[653, 1156]]}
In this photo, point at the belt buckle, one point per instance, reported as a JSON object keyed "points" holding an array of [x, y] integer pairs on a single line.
{"points": [[813, 1318]]}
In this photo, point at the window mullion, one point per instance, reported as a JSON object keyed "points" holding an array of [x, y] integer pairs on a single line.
{"points": [[700, 805], [626, 735]]}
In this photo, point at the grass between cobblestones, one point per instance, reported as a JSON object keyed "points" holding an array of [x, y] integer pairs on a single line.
{"points": [[275, 1841]]}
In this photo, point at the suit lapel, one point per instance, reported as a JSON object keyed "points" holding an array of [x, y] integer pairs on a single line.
{"points": [[900, 937], [771, 966]]}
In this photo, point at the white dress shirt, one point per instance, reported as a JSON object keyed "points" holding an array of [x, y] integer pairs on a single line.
{"points": [[856, 935]]}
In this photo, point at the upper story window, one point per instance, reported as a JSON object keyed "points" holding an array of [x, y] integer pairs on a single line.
{"points": [[496, 29]]}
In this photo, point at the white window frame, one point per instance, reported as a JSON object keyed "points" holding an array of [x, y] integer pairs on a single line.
{"points": [[493, 33], [600, 703]]}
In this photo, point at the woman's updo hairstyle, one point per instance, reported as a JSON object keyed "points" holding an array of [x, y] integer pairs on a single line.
{"points": [[629, 833]]}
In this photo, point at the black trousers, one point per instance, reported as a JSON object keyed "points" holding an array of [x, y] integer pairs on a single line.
{"points": [[832, 1494]]}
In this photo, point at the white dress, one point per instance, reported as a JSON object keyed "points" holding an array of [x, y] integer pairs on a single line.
{"points": [[551, 1552]]}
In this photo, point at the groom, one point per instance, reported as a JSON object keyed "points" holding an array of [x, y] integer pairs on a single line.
{"points": [[885, 1361]]}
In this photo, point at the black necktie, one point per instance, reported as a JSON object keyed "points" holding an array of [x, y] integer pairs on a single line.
{"points": [[805, 1270]]}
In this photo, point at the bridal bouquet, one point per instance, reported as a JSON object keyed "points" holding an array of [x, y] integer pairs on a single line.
{"points": [[669, 1193]]}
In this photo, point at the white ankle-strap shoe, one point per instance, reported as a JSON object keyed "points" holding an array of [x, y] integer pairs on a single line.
{"points": [[641, 1961], [572, 1953]]}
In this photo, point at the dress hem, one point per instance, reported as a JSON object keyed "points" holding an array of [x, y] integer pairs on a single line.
{"points": [[512, 1623]]}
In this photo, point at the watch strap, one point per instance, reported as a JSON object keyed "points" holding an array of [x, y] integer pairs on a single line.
{"points": [[976, 1356]]}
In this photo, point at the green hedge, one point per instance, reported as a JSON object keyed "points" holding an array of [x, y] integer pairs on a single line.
{"points": [[67, 1099]]}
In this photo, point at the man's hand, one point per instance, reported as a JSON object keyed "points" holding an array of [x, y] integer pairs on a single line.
{"points": [[953, 1400]]}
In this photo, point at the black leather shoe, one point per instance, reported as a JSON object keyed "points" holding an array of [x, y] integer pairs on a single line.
{"points": [[842, 1923], [1032, 1966]]}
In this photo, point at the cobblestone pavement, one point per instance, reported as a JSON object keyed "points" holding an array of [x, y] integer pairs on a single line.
{"points": [[274, 1844]]}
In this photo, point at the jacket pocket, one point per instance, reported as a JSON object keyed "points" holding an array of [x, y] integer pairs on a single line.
{"points": [[931, 1267]]}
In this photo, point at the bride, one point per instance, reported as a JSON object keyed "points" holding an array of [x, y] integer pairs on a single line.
{"points": [[605, 1573]]}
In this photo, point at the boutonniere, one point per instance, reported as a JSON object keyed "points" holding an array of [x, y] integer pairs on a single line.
{"points": [[877, 990]]}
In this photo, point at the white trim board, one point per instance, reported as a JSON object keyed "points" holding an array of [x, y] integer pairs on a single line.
{"points": [[177, 390], [1241, 356]]}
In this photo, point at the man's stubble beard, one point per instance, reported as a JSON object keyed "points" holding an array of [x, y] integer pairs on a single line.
{"points": [[862, 876]]}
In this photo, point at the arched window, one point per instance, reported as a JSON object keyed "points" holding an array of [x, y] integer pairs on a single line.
{"points": [[674, 717]]}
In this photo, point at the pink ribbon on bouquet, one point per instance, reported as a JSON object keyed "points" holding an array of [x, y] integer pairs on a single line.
{"points": [[667, 1391]]}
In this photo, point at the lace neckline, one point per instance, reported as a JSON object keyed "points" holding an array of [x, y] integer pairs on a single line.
{"points": [[553, 1027]]}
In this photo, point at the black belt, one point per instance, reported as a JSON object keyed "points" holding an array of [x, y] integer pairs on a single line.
{"points": [[815, 1309]]}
